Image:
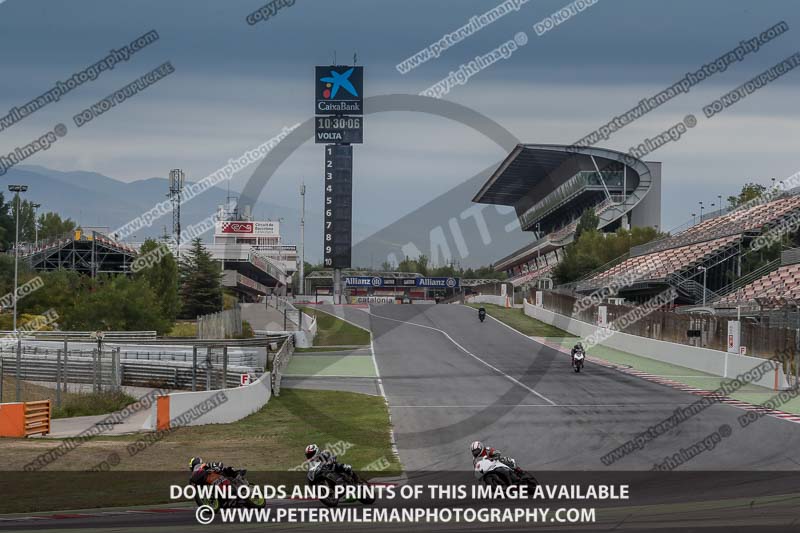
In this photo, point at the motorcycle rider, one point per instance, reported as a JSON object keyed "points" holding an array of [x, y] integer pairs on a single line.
{"points": [[313, 453], [481, 313], [577, 348], [200, 470], [479, 451]]}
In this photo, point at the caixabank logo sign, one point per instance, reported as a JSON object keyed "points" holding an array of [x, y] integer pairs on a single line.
{"points": [[339, 90]]}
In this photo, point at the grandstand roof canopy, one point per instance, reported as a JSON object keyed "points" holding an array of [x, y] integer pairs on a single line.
{"points": [[529, 164]]}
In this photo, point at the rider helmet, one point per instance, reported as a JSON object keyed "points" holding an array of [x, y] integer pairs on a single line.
{"points": [[476, 448], [194, 461], [311, 450]]}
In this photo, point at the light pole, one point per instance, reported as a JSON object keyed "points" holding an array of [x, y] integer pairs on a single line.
{"points": [[16, 189], [719, 197], [704, 271], [302, 237], [693, 219], [35, 225], [538, 250], [701, 211]]}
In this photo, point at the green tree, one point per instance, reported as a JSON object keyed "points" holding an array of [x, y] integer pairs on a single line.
{"points": [[52, 225], [594, 248], [162, 277], [117, 303], [418, 265], [201, 282], [750, 191], [6, 224], [60, 291], [27, 220], [587, 222]]}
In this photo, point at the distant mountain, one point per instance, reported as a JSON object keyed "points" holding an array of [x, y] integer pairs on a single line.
{"points": [[92, 199], [447, 228]]}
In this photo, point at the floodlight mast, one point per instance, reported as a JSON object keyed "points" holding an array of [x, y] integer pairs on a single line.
{"points": [[176, 180]]}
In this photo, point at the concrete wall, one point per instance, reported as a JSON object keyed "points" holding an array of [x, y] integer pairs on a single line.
{"points": [[703, 359], [241, 401], [488, 299]]}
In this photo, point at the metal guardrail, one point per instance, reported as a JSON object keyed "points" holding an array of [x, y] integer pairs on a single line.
{"points": [[206, 365], [183, 375], [107, 374], [85, 335]]}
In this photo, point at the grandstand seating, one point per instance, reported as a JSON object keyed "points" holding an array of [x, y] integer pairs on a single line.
{"points": [[694, 246], [531, 275], [659, 265], [736, 221], [781, 283]]}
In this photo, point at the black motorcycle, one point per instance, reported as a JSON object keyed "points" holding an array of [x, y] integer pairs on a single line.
{"points": [[236, 479], [578, 358], [481, 314], [494, 472], [320, 473]]}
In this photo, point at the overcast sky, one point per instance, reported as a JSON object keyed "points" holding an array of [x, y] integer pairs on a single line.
{"points": [[236, 85]]}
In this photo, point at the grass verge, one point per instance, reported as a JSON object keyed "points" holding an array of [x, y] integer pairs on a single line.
{"points": [[334, 331], [269, 441], [694, 378], [72, 403], [517, 319], [92, 403], [317, 349]]}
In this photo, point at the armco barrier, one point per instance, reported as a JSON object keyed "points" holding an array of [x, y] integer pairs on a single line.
{"points": [[242, 401], [703, 359], [23, 419]]}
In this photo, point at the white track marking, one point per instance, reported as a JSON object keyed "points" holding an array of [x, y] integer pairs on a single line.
{"points": [[392, 440], [451, 339], [637, 406], [377, 371]]}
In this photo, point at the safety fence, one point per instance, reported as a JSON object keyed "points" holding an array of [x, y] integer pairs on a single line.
{"points": [[280, 361], [292, 317], [194, 365], [222, 325]]}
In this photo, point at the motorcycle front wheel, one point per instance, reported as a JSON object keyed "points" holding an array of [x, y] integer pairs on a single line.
{"points": [[369, 500], [332, 500], [494, 480]]}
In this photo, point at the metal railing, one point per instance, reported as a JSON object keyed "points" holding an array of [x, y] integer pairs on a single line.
{"points": [[279, 363], [747, 279], [206, 364]]}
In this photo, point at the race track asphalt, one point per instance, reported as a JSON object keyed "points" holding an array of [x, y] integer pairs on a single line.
{"points": [[450, 380]]}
